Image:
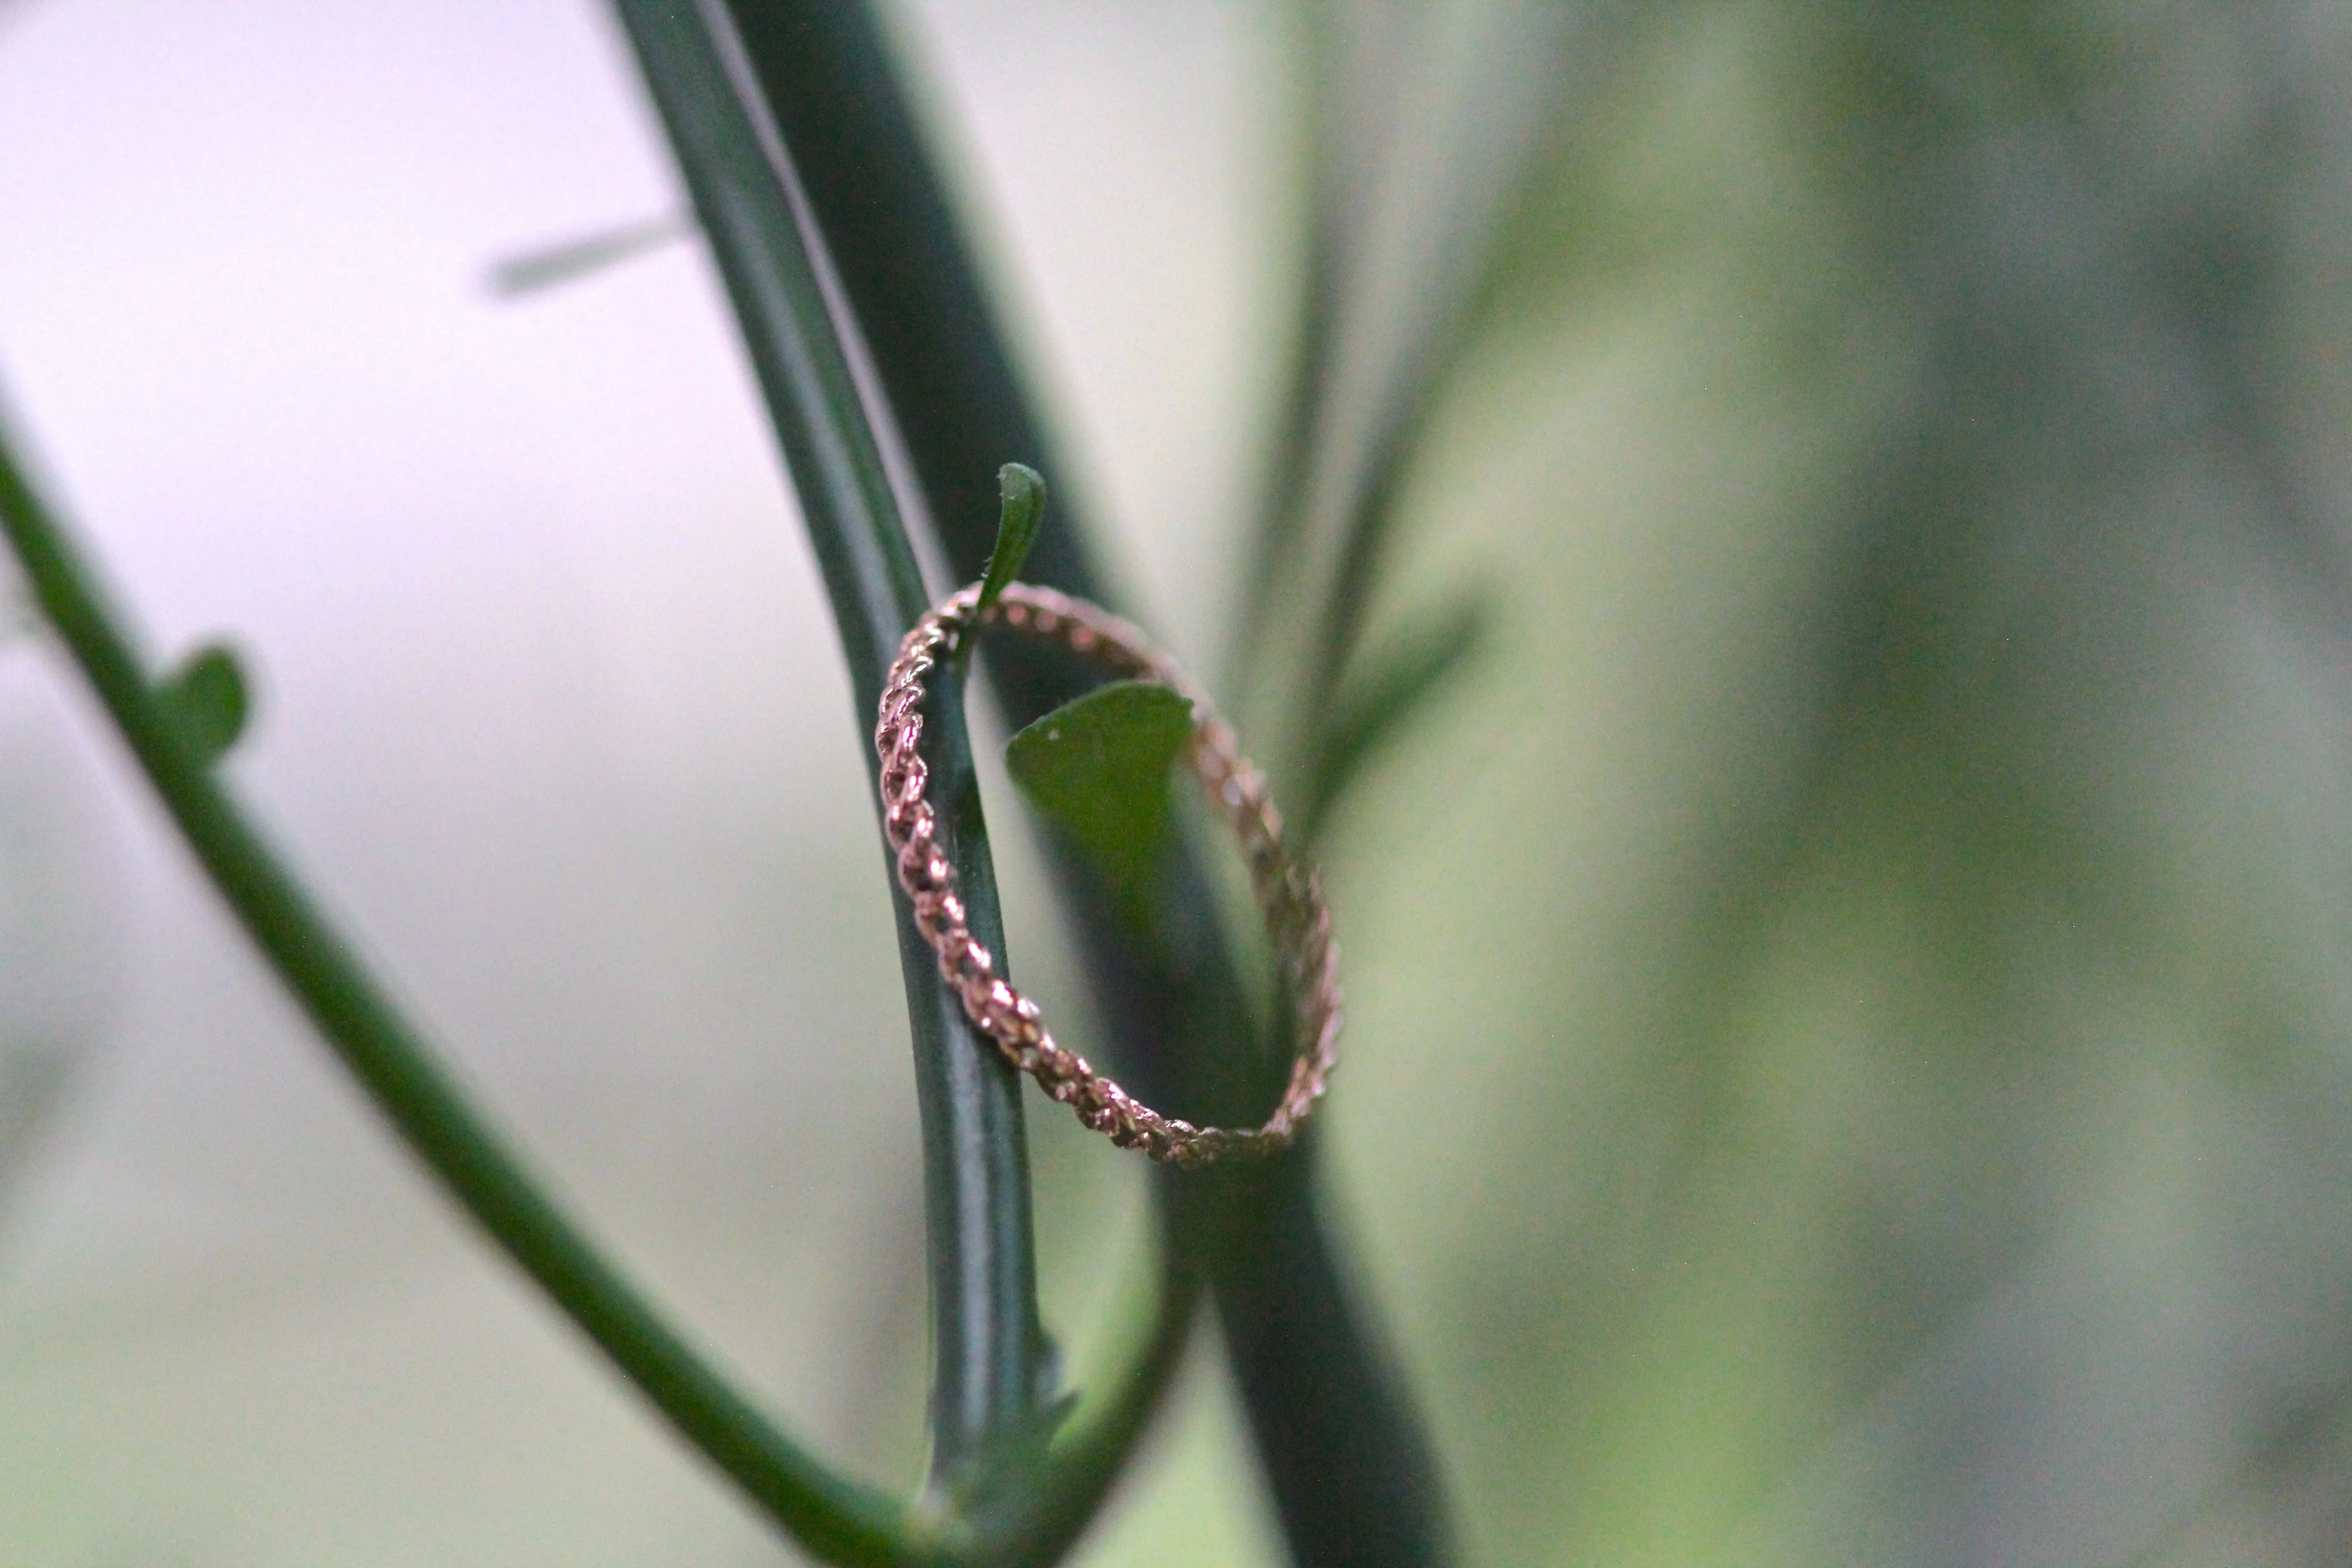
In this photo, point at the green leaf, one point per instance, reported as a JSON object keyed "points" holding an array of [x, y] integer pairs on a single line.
{"points": [[1023, 509], [206, 699], [1097, 768]]}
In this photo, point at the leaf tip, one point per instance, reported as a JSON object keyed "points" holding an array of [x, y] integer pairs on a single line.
{"points": [[1021, 492]]}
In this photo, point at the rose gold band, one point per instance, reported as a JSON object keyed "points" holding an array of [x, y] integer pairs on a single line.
{"points": [[1297, 921]]}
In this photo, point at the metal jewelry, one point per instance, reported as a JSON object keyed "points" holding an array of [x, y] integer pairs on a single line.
{"points": [[1288, 889]]}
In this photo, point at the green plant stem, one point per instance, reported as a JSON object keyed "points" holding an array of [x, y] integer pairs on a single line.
{"points": [[1350, 1466], [990, 1364], [420, 1097]]}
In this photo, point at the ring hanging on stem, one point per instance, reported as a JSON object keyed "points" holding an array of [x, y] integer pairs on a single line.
{"points": [[1288, 889]]}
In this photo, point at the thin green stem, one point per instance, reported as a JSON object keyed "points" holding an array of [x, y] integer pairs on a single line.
{"points": [[990, 1364], [422, 1097]]}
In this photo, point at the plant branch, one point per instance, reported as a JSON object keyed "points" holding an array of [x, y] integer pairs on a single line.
{"points": [[989, 1351], [420, 1096]]}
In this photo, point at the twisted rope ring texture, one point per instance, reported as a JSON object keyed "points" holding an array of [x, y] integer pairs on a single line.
{"points": [[1288, 889]]}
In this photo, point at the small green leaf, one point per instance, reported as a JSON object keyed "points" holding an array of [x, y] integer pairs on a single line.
{"points": [[207, 698], [1024, 490], [1097, 768]]}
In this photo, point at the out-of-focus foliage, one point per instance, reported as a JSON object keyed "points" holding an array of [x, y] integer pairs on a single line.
{"points": [[1852, 1034]]}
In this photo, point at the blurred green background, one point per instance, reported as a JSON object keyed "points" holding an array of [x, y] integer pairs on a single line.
{"points": [[1851, 1042]]}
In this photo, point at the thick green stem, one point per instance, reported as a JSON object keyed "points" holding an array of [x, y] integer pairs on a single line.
{"points": [[990, 1363], [420, 1097]]}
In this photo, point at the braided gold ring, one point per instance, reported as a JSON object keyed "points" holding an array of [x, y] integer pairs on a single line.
{"points": [[1289, 891]]}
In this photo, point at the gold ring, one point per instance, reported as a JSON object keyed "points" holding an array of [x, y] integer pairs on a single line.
{"points": [[1297, 922]]}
